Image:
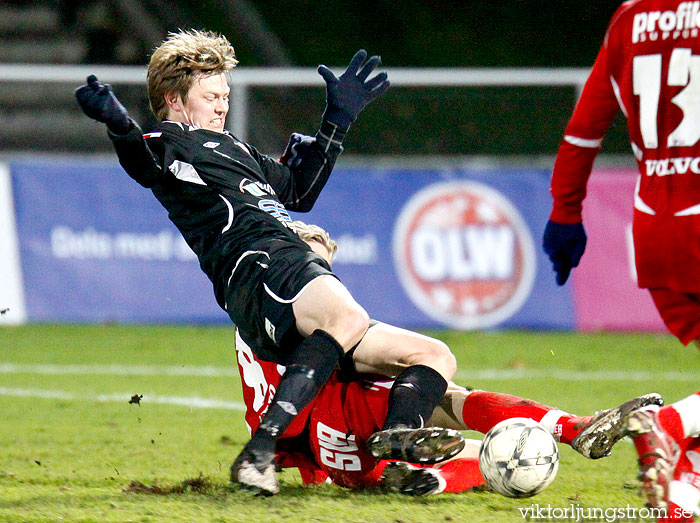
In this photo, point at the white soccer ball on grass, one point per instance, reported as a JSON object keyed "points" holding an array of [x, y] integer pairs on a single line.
{"points": [[518, 458]]}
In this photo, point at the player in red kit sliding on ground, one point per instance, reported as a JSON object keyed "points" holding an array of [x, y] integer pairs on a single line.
{"points": [[649, 68], [328, 439]]}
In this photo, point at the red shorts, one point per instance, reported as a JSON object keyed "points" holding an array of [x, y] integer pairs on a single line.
{"points": [[680, 312]]}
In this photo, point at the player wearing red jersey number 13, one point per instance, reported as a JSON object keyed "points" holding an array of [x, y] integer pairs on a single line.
{"points": [[649, 68]]}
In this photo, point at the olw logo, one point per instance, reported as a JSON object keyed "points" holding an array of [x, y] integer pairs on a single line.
{"points": [[464, 255]]}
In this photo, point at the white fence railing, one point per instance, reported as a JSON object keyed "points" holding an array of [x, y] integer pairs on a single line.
{"points": [[244, 77]]}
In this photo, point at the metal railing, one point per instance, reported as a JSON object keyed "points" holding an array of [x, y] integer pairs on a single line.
{"points": [[242, 78]]}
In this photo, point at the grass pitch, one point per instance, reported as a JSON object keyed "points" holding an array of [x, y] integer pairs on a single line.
{"points": [[141, 423]]}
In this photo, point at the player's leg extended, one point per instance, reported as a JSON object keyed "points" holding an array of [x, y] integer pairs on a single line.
{"points": [[332, 323], [669, 465], [390, 350], [668, 444], [422, 367], [592, 436]]}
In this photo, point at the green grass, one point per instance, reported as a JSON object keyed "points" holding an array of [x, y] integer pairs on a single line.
{"points": [[70, 457]]}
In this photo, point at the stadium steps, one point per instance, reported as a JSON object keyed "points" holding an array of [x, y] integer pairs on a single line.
{"points": [[25, 96], [39, 116], [33, 19], [44, 117], [32, 32], [51, 131], [59, 50]]}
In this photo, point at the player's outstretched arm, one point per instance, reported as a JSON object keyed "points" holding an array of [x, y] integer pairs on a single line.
{"points": [[99, 103], [311, 159], [348, 94]]}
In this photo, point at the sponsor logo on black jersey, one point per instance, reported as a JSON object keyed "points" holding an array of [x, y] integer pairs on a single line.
{"points": [[276, 209], [256, 188]]}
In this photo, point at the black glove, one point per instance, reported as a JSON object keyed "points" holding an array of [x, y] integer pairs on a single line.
{"points": [[348, 95], [296, 149], [99, 103], [564, 243]]}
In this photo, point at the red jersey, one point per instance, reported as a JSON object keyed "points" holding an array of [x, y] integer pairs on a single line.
{"points": [[260, 379], [648, 67], [339, 421]]}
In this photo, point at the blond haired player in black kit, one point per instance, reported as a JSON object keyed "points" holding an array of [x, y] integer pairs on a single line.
{"points": [[230, 203]]}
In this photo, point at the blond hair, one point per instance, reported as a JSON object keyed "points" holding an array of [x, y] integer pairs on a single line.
{"points": [[314, 233], [181, 59]]}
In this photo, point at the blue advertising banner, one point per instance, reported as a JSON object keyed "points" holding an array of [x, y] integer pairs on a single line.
{"points": [[445, 247], [97, 247], [449, 247]]}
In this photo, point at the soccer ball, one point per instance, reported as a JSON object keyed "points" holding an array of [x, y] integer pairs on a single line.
{"points": [[518, 458]]}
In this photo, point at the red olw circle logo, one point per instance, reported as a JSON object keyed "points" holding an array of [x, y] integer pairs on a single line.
{"points": [[464, 254]]}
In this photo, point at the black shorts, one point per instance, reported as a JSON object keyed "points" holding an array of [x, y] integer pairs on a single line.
{"points": [[267, 282]]}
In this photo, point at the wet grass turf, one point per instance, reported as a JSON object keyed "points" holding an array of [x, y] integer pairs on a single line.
{"points": [[74, 446]]}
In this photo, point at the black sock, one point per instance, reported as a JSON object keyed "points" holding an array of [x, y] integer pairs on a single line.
{"points": [[413, 397], [308, 369]]}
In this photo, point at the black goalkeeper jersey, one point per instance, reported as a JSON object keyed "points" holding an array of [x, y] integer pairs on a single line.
{"points": [[224, 196]]}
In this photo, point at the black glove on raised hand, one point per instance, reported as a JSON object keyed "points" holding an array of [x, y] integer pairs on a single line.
{"points": [[564, 243], [99, 103], [348, 95]]}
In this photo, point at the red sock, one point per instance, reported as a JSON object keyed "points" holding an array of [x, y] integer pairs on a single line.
{"points": [[671, 422], [461, 474], [482, 410], [671, 417], [571, 426]]}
